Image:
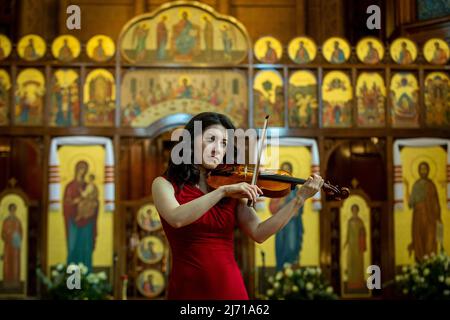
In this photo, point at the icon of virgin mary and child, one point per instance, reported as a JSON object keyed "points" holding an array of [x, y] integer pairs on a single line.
{"points": [[81, 206]]}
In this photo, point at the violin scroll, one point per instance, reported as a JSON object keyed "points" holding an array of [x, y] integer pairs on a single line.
{"points": [[335, 192]]}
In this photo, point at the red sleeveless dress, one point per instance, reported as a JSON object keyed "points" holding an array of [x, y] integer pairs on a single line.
{"points": [[203, 262]]}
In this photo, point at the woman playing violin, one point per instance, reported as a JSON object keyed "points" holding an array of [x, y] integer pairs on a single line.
{"points": [[199, 223]]}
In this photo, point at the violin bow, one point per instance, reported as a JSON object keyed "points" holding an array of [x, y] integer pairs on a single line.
{"points": [[258, 160]]}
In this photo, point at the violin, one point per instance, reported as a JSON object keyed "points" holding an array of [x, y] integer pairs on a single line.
{"points": [[273, 183]]}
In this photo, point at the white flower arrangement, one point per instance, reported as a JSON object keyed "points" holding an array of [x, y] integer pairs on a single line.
{"points": [[428, 279], [93, 286], [295, 283]]}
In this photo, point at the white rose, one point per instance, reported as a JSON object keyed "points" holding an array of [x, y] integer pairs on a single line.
{"points": [[298, 271], [398, 278], [447, 281], [404, 269], [55, 273], [83, 268], [425, 257], [60, 267], [405, 291], [295, 288], [426, 271], [441, 278], [318, 271], [276, 285], [446, 292], [91, 278], [102, 275], [289, 272], [270, 279], [286, 265], [309, 286], [270, 292], [279, 275], [329, 289], [312, 271]]}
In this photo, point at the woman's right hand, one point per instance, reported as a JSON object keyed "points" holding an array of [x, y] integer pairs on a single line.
{"points": [[242, 190]]}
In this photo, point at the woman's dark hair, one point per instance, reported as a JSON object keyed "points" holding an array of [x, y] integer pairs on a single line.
{"points": [[183, 173]]}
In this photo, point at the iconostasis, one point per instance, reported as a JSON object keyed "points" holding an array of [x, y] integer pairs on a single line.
{"points": [[93, 114]]}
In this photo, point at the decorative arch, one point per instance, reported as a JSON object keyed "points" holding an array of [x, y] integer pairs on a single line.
{"points": [[184, 33]]}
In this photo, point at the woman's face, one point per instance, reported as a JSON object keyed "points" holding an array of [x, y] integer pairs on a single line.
{"points": [[214, 144]]}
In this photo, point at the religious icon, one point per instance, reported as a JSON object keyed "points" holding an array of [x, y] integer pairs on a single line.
{"points": [[29, 104], [404, 93], [370, 50], [65, 102], [80, 219], [150, 95], [298, 242], [208, 37], [185, 40], [148, 218], [268, 49], [436, 51], [150, 283], [268, 98], [99, 98], [5, 87], [162, 38], [302, 103], [289, 240], [13, 245], [421, 222], [184, 34], [437, 99], [302, 50], [80, 210], [337, 100], [140, 34], [371, 97], [355, 247], [150, 250], [336, 50], [100, 48], [403, 51], [31, 47], [5, 47], [66, 48], [423, 199]]}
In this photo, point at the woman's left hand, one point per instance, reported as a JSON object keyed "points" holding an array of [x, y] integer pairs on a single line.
{"points": [[310, 187]]}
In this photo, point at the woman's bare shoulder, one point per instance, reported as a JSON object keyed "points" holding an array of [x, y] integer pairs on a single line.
{"points": [[161, 183]]}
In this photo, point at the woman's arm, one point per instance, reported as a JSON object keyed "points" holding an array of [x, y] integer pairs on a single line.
{"points": [[259, 231], [181, 215]]}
